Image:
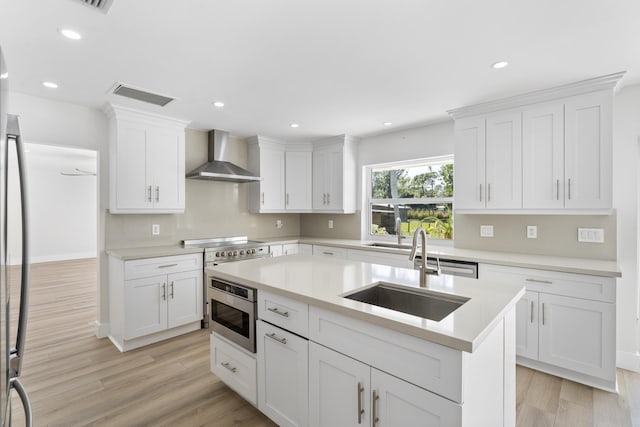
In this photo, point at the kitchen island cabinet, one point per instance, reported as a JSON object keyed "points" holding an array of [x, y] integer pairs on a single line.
{"points": [[398, 368]]}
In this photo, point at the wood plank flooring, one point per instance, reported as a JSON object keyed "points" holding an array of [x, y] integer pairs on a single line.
{"points": [[74, 379]]}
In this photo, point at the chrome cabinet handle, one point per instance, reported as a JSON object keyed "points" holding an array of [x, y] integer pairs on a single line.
{"points": [[149, 192], [531, 311], [157, 194], [277, 338], [171, 294], [229, 367], [164, 291], [277, 311], [324, 198], [488, 192], [167, 265], [262, 198], [569, 188], [480, 192], [544, 282], [374, 409], [557, 189], [360, 408], [327, 253], [543, 314]]}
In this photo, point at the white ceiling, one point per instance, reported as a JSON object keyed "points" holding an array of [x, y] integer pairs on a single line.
{"points": [[333, 66]]}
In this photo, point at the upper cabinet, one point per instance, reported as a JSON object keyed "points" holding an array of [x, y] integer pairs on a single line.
{"points": [[543, 152], [334, 175], [146, 162], [285, 170]]}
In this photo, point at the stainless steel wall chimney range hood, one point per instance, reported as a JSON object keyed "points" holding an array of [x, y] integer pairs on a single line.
{"points": [[217, 168]]}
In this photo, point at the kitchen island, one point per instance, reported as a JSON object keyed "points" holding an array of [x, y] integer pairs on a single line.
{"points": [[323, 359]]}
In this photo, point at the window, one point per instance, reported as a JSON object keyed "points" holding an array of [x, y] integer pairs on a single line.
{"points": [[419, 192]]}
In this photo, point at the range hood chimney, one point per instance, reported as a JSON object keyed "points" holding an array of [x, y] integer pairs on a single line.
{"points": [[218, 168]]}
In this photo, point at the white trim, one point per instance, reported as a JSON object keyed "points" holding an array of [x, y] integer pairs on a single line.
{"points": [[52, 258], [628, 360], [608, 82], [101, 329]]}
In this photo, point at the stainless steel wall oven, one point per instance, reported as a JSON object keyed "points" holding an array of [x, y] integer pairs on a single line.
{"points": [[233, 312]]}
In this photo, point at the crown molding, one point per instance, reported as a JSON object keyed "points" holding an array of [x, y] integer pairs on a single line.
{"points": [[608, 82]]}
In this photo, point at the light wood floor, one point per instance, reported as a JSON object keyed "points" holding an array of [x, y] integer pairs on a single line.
{"points": [[74, 379]]}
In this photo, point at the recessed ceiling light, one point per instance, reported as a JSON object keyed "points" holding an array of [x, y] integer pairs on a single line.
{"points": [[294, 125], [4, 75], [218, 104], [70, 34], [50, 85], [387, 123], [499, 64]]}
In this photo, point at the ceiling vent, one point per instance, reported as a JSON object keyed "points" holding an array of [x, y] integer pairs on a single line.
{"points": [[141, 95], [101, 5]]}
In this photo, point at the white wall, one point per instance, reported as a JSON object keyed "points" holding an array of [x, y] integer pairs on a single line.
{"points": [[626, 162], [71, 125]]}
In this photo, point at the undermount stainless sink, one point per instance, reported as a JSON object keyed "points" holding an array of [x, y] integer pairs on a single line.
{"points": [[389, 245], [426, 304]]}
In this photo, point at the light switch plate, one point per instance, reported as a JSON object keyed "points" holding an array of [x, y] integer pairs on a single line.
{"points": [[279, 224], [486, 231], [532, 232], [155, 229], [591, 235], [330, 223]]}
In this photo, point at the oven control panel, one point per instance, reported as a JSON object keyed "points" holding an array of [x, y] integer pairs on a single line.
{"points": [[236, 254]]}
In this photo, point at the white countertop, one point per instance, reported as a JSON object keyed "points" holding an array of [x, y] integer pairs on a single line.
{"points": [[127, 254], [543, 262], [321, 281]]}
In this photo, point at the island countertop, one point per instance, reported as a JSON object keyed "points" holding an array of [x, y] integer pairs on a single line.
{"points": [[323, 281]]}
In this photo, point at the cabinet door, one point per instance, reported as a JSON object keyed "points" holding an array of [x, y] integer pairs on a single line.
{"points": [[272, 185], [145, 306], [298, 180], [399, 403], [543, 157], [275, 250], [504, 161], [588, 151], [283, 375], [290, 249], [132, 174], [166, 158], [339, 389], [578, 334], [185, 296], [527, 326], [334, 179], [319, 180], [470, 189]]}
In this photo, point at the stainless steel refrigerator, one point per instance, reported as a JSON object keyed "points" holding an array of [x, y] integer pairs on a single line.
{"points": [[12, 157]]}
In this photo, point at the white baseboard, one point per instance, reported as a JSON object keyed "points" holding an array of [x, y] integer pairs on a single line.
{"points": [[52, 258], [102, 329], [628, 360]]}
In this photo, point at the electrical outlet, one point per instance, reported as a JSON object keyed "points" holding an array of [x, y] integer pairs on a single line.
{"points": [[155, 229], [591, 235], [330, 223], [486, 231], [279, 224], [532, 232]]}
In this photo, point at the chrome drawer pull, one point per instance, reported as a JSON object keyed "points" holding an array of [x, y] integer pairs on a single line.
{"points": [[531, 311], [229, 367], [275, 337], [542, 313], [167, 265], [149, 198], [327, 253], [545, 282], [360, 408], [277, 311], [374, 409]]}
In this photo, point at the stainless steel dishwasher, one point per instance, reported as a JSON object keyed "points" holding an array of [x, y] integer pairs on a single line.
{"points": [[451, 266]]}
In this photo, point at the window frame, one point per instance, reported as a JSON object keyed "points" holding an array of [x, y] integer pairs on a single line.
{"points": [[369, 201]]}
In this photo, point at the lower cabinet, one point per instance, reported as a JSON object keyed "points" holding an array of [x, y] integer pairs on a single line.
{"points": [[283, 382], [346, 392], [235, 367]]}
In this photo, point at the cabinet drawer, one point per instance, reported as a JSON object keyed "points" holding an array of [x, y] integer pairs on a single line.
{"points": [[235, 367], [440, 367], [330, 251], [284, 312], [163, 265], [584, 286]]}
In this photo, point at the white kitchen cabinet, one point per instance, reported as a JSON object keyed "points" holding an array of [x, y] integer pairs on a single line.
{"points": [[305, 249], [154, 299], [283, 383], [334, 175], [235, 366], [285, 249], [330, 251], [285, 170], [147, 162], [588, 151], [275, 250], [488, 162], [543, 152], [565, 323], [372, 257]]}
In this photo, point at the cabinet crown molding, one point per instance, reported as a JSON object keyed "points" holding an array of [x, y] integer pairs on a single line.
{"points": [[608, 82], [119, 112], [338, 139]]}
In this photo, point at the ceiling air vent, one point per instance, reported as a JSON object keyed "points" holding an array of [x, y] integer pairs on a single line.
{"points": [[101, 5], [141, 95]]}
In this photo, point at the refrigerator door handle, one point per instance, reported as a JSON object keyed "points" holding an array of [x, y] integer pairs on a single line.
{"points": [[15, 356], [26, 403]]}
